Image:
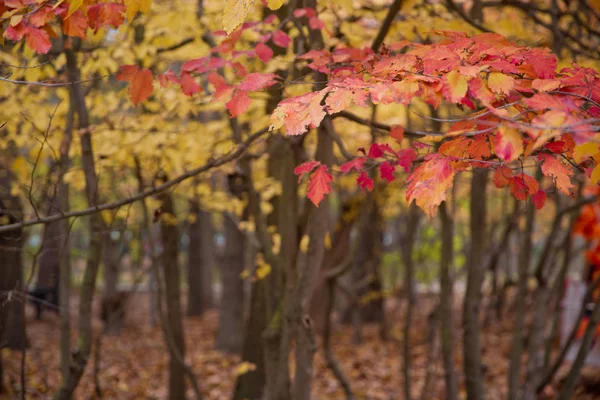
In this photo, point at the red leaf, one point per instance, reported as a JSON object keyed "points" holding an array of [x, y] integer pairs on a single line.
{"points": [[375, 151], [539, 199], [127, 72], [140, 86], [75, 25], [387, 171], [430, 182], [406, 158], [553, 168], [522, 186], [355, 164], [38, 40], [319, 184], [502, 176], [305, 168], [257, 81], [397, 133], [315, 23], [281, 39], [189, 85], [239, 103], [220, 85], [166, 78], [364, 182], [15, 33], [264, 52]]}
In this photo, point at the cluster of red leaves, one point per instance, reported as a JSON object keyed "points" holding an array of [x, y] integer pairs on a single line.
{"points": [[36, 20], [521, 108]]}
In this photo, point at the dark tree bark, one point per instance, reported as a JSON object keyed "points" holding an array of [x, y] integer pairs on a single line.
{"points": [[48, 274], [174, 320], [472, 301], [112, 301], [447, 302], [201, 258], [12, 322], [408, 244], [514, 374], [231, 313], [81, 355]]}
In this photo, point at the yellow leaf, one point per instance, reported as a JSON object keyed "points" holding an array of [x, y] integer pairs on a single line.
{"points": [[262, 271], [584, 151], [500, 83], [244, 368], [327, 241], [74, 5], [133, 6], [275, 4], [235, 13], [304, 243], [14, 20]]}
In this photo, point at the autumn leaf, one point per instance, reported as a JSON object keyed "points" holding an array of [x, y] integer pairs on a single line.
{"points": [[281, 39], [508, 144], [257, 81], [264, 52], [397, 133], [239, 103], [38, 40], [553, 168], [319, 184], [364, 182], [387, 170], [140, 86], [305, 168], [355, 164], [75, 25], [455, 86], [539, 199], [298, 113], [275, 4], [501, 83], [406, 158], [234, 13], [132, 7], [189, 86], [522, 186], [429, 183], [502, 176], [74, 5]]}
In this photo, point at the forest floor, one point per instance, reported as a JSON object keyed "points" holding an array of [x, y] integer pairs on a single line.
{"points": [[133, 364]]}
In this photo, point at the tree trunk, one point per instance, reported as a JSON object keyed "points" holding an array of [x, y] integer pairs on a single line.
{"points": [[174, 321], [472, 301], [48, 275], [12, 322], [81, 355], [113, 305], [231, 313], [407, 255], [514, 374], [447, 302], [200, 261]]}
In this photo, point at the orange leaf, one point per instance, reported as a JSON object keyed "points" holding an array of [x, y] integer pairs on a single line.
{"points": [[501, 83], [455, 86], [239, 103], [318, 186], [508, 144], [522, 186], [140, 86], [75, 25], [430, 182], [38, 40], [553, 168], [397, 133]]}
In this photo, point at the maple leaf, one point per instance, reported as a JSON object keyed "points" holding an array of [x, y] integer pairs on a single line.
{"points": [[429, 183], [127, 72], [234, 13], [501, 83], [455, 86], [539, 199], [298, 113], [239, 103], [220, 85], [319, 184], [75, 25], [406, 158], [522, 186], [264, 52], [508, 144], [281, 39], [38, 40], [16, 32], [364, 182], [275, 4], [134, 6], [545, 85], [189, 85], [257, 81], [166, 78], [502, 176], [305, 168], [355, 164], [552, 167], [140, 86], [338, 100], [387, 170], [397, 133]]}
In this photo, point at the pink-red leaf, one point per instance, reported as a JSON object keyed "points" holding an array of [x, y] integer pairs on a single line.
{"points": [[319, 184]]}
